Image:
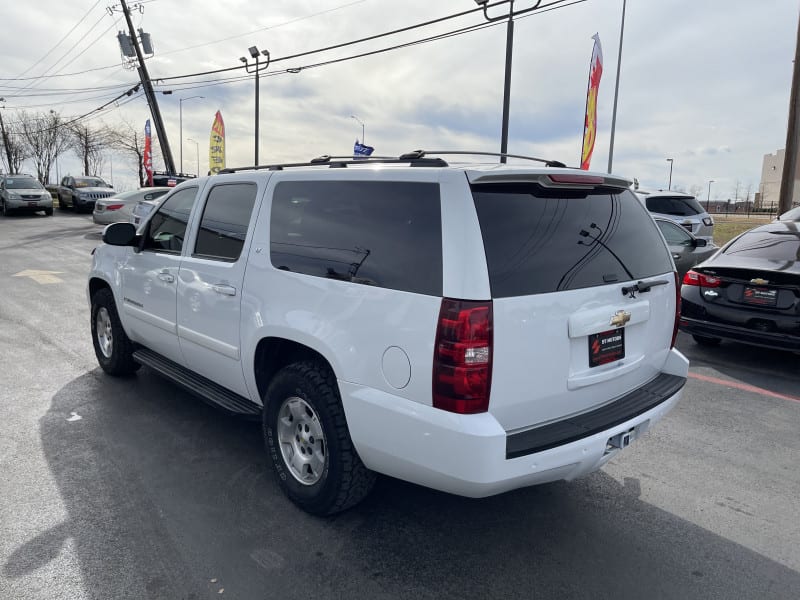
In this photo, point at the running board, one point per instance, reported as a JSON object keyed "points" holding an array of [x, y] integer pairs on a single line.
{"points": [[206, 389]]}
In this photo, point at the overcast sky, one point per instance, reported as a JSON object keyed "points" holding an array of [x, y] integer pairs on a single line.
{"points": [[703, 82]]}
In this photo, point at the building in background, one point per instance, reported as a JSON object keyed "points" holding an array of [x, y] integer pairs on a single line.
{"points": [[770, 186]]}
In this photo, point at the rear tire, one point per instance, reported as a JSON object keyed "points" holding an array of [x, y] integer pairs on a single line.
{"points": [[704, 340], [306, 435], [112, 347]]}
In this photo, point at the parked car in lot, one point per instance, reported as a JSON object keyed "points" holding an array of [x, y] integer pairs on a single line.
{"points": [[144, 208], [472, 328], [790, 215], [119, 208], [24, 193], [683, 209], [80, 193], [686, 249], [748, 292]]}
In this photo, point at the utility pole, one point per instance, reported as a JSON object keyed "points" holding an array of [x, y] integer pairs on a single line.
{"points": [[616, 96], [5, 137], [792, 133], [151, 96]]}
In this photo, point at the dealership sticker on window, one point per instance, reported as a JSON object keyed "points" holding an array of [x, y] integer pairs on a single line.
{"points": [[606, 347]]}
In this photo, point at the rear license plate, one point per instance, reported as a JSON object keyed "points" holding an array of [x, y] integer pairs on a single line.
{"points": [[760, 296], [606, 347]]}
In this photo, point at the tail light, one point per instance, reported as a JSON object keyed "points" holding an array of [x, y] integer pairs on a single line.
{"points": [[696, 278], [677, 309], [114, 206], [462, 357]]}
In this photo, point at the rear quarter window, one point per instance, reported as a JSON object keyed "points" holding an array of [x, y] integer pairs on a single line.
{"points": [[538, 240], [381, 233]]}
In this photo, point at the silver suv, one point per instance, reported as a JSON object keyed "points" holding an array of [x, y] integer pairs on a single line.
{"points": [[683, 209], [471, 328], [24, 193]]}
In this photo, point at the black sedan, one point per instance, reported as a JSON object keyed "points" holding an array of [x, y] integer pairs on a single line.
{"points": [[749, 292]]}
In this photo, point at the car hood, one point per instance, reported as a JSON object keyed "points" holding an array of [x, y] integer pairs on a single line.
{"points": [[28, 191]]}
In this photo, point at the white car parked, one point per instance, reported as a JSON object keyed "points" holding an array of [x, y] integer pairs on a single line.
{"points": [[119, 208], [471, 328]]}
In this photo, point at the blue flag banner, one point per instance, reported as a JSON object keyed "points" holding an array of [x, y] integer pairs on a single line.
{"points": [[362, 150]]}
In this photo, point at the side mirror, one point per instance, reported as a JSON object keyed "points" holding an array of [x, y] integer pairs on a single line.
{"points": [[120, 234], [700, 243]]}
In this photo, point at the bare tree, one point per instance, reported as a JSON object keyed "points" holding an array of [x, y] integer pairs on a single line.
{"points": [[45, 138], [695, 190], [13, 154], [129, 139], [89, 145]]}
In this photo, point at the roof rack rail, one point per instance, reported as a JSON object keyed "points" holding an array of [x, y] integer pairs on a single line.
{"points": [[334, 162], [419, 154]]}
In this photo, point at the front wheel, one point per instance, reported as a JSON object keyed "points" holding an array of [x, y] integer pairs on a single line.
{"points": [[48, 212], [704, 340], [306, 436], [6, 211], [112, 347]]}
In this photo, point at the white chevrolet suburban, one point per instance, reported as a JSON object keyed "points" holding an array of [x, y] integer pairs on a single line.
{"points": [[472, 328]]}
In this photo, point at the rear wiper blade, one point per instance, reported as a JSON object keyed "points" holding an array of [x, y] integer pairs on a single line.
{"points": [[642, 286]]}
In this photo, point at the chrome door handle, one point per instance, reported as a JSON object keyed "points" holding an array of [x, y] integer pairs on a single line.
{"points": [[676, 256], [225, 290], [168, 277]]}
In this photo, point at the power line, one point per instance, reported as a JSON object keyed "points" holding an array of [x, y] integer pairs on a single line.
{"points": [[81, 20]]}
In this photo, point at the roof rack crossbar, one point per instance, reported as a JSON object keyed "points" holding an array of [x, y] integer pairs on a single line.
{"points": [[344, 161], [417, 154]]}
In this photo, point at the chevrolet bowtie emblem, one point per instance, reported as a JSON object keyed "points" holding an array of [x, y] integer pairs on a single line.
{"points": [[759, 281], [620, 318]]}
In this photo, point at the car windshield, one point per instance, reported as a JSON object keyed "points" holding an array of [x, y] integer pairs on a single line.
{"points": [[89, 182], [682, 206], [23, 183]]}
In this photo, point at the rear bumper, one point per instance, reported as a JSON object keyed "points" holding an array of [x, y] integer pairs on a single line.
{"points": [[470, 455], [745, 335]]}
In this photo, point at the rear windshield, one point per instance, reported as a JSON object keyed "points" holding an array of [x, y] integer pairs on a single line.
{"points": [[681, 206], [539, 240], [768, 245]]}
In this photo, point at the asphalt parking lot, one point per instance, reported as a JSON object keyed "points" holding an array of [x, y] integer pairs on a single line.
{"points": [[131, 488]]}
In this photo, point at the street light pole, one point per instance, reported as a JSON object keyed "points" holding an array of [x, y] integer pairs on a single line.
{"points": [[362, 127], [670, 161], [616, 91], [509, 55], [197, 153], [180, 105], [256, 54], [708, 199]]}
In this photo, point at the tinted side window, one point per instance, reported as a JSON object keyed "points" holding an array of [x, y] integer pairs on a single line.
{"points": [[167, 227], [540, 240], [387, 234], [674, 234], [226, 217]]}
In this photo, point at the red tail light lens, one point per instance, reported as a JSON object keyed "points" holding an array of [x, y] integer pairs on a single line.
{"points": [[677, 309], [462, 357], [695, 278], [114, 206]]}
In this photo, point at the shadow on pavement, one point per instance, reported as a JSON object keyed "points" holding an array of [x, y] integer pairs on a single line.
{"points": [[167, 498]]}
